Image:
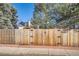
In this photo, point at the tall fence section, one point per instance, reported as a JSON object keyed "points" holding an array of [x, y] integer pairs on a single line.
{"points": [[48, 37]]}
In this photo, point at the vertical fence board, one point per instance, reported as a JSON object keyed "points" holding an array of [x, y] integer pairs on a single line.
{"points": [[12, 36], [0, 36], [36, 36], [68, 38], [75, 36], [40, 40], [45, 36], [64, 37], [54, 37], [31, 40], [78, 38], [21, 37], [57, 36], [17, 36], [51, 37], [26, 36], [72, 37]]}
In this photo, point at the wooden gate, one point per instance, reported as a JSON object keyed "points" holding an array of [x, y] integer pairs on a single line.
{"points": [[47, 37]]}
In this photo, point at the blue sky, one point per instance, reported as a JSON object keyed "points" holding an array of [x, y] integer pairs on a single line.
{"points": [[24, 11]]}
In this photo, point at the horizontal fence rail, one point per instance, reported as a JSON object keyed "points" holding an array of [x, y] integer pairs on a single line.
{"points": [[50, 37]]}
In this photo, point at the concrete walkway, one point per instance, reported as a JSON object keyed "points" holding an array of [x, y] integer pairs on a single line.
{"points": [[39, 51]]}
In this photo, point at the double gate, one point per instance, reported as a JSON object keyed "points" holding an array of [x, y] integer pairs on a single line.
{"points": [[48, 37]]}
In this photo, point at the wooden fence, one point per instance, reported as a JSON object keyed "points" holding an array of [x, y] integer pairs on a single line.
{"points": [[51, 37]]}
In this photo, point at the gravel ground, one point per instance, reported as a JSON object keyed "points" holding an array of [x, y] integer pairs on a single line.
{"points": [[38, 51]]}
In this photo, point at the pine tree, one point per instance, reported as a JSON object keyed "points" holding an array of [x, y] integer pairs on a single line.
{"points": [[7, 16], [56, 15]]}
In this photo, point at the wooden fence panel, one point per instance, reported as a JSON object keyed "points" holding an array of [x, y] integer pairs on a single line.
{"points": [[45, 37], [64, 37], [17, 36], [21, 37], [40, 40], [78, 38], [11, 36], [51, 37], [7, 33], [7, 36], [31, 40], [70, 37], [0, 36], [57, 39], [26, 36], [75, 36], [35, 33], [3, 36]]}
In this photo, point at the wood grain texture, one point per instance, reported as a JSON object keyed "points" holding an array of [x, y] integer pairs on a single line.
{"points": [[53, 37]]}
